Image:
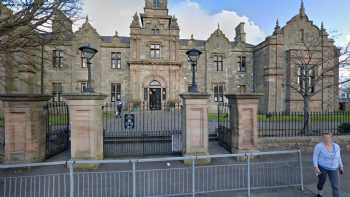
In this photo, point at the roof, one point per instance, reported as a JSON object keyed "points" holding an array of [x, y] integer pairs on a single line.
{"points": [[196, 42], [109, 39]]}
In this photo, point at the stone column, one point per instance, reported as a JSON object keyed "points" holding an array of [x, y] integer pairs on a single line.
{"points": [[244, 121], [85, 116], [195, 124], [25, 130]]}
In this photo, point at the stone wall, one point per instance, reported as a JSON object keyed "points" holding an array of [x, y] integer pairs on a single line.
{"points": [[303, 143]]}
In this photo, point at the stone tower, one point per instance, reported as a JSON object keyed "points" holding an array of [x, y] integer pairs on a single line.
{"points": [[154, 65]]}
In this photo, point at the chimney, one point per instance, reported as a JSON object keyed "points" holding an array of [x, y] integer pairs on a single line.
{"points": [[240, 33]]}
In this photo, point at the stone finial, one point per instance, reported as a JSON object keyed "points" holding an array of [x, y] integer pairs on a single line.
{"points": [[87, 19], [116, 34], [174, 24], [136, 21], [302, 9], [192, 37], [218, 25], [322, 26], [277, 27]]}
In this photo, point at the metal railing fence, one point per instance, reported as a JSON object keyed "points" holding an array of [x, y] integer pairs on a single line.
{"points": [[292, 124], [150, 177], [57, 128], [2, 134], [141, 131]]}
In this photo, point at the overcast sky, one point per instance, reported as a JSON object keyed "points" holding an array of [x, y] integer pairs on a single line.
{"points": [[201, 17]]}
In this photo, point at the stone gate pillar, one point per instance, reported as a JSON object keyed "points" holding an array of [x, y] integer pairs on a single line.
{"points": [[244, 121], [86, 126], [195, 124], [25, 130]]}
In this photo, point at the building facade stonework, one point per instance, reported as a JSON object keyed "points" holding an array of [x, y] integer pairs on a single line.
{"points": [[150, 66]]}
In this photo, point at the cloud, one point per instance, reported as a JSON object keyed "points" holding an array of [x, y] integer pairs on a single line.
{"points": [[108, 16], [116, 15], [193, 19]]}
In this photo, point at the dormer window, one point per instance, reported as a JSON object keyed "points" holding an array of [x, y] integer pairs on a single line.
{"points": [[156, 3]]}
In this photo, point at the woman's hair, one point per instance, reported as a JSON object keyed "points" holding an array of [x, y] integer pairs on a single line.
{"points": [[327, 133]]}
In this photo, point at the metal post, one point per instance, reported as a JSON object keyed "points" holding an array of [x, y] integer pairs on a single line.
{"points": [[248, 174], [193, 177], [133, 178], [301, 171], [194, 84], [89, 86], [71, 178]]}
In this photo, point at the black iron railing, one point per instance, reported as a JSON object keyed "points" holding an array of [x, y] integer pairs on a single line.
{"points": [[224, 125], [57, 128], [137, 130], [2, 134], [295, 124]]}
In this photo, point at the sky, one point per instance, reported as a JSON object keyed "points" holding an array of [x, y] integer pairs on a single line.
{"points": [[201, 17]]}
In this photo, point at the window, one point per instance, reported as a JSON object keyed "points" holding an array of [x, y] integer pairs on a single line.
{"points": [[155, 31], [57, 58], [189, 87], [156, 3], [219, 61], [302, 35], [306, 75], [83, 86], [83, 60], [219, 93], [242, 64], [145, 94], [242, 89], [155, 51], [116, 60], [57, 90], [115, 92]]}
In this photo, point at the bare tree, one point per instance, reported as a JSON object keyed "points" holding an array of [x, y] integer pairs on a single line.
{"points": [[316, 65], [26, 26]]}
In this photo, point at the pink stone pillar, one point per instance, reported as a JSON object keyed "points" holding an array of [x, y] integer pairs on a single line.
{"points": [[244, 121], [195, 124], [25, 130], [85, 116]]}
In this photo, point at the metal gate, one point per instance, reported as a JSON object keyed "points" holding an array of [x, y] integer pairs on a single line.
{"points": [[57, 130], [141, 132], [2, 134], [224, 125]]}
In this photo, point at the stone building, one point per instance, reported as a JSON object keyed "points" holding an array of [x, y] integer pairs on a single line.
{"points": [[150, 66]]}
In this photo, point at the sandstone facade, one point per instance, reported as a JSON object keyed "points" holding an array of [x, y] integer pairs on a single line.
{"points": [[150, 66]]}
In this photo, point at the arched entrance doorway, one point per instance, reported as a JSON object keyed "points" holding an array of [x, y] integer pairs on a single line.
{"points": [[155, 95]]}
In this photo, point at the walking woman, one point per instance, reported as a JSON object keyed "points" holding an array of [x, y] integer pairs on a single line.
{"points": [[327, 162]]}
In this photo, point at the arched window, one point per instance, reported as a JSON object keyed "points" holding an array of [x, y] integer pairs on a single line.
{"points": [[156, 3], [154, 83]]}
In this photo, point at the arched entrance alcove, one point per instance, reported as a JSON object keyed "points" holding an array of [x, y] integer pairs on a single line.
{"points": [[154, 94]]}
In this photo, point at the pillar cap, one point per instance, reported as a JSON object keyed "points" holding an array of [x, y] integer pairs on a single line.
{"points": [[244, 96], [24, 97], [192, 95], [85, 96]]}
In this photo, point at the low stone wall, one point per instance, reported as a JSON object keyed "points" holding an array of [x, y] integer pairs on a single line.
{"points": [[303, 143]]}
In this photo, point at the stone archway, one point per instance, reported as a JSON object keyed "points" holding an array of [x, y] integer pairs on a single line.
{"points": [[155, 92]]}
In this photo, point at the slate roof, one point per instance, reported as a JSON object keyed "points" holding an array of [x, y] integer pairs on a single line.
{"points": [[109, 39]]}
